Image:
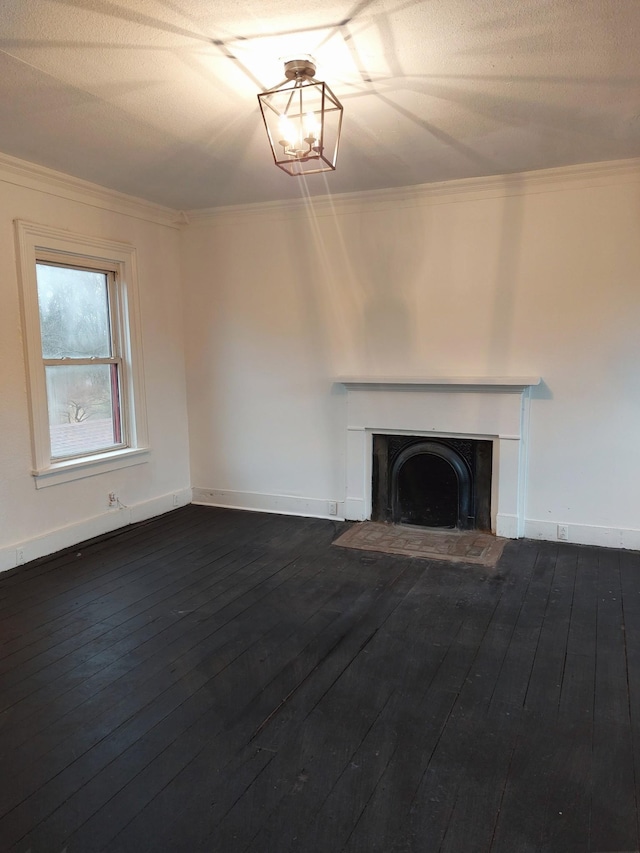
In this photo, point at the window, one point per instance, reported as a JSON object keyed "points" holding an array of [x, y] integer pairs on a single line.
{"points": [[83, 351], [82, 363]]}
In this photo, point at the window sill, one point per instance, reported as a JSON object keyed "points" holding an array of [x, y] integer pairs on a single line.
{"points": [[89, 466]]}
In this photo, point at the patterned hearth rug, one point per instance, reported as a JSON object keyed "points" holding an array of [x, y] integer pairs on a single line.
{"points": [[458, 546]]}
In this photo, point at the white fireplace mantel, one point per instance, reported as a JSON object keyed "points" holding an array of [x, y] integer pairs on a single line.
{"points": [[479, 407], [506, 382]]}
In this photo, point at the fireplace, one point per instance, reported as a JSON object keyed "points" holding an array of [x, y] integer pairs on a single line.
{"points": [[441, 410], [432, 482]]}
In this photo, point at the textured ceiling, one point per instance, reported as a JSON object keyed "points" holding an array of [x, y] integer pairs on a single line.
{"points": [[157, 98]]}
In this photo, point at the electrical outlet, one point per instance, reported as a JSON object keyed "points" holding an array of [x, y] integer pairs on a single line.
{"points": [[113, 500], [333, 507], [563, 532], [19, 556]]}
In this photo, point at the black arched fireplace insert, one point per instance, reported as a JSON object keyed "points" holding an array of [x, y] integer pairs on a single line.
{"points": [[432, 481]]}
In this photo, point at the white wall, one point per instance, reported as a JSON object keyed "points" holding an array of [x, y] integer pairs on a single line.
{"points": [[527, 275], [37, 522], [536, 275]]}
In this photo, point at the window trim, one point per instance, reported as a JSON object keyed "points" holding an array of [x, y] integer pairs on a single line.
{"points": [[43, 243]]}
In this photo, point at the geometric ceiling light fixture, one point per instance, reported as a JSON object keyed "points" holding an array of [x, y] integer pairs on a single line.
{"points": [[303, 119]]}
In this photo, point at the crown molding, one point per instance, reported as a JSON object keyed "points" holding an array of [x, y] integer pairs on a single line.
{"points": [[445, 192], [24, 174]]}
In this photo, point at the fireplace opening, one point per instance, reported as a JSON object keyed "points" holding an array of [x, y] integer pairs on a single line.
{"points": [[432, 482]]}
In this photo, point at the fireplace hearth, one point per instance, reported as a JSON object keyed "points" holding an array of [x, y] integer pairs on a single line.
{"points": [[432, 482]]}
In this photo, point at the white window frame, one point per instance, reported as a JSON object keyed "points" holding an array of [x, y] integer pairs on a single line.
{"points": [[42, 243]]}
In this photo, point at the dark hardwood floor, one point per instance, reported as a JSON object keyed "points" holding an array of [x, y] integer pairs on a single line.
{"points": [[224, 681]]}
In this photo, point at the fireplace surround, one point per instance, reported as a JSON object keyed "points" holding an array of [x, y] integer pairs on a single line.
{"points": [[487, 408]]}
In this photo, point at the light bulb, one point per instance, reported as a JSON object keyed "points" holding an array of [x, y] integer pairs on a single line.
{"points": [[311, 126], [287, 132]]}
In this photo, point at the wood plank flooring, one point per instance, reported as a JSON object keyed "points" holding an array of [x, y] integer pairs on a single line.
{"points": [[222, 681]]}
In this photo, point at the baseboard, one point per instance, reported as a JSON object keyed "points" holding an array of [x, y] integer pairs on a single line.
{"points": [[65, 537], [353, 510], [281, 504], [584, 534]]}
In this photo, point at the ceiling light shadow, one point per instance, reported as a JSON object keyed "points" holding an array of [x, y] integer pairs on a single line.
{"points": [[112, 10], [440, 135]]}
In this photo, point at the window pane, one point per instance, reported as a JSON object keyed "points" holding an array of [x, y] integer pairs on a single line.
{"points": [[74, 312], [84, 411]]}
